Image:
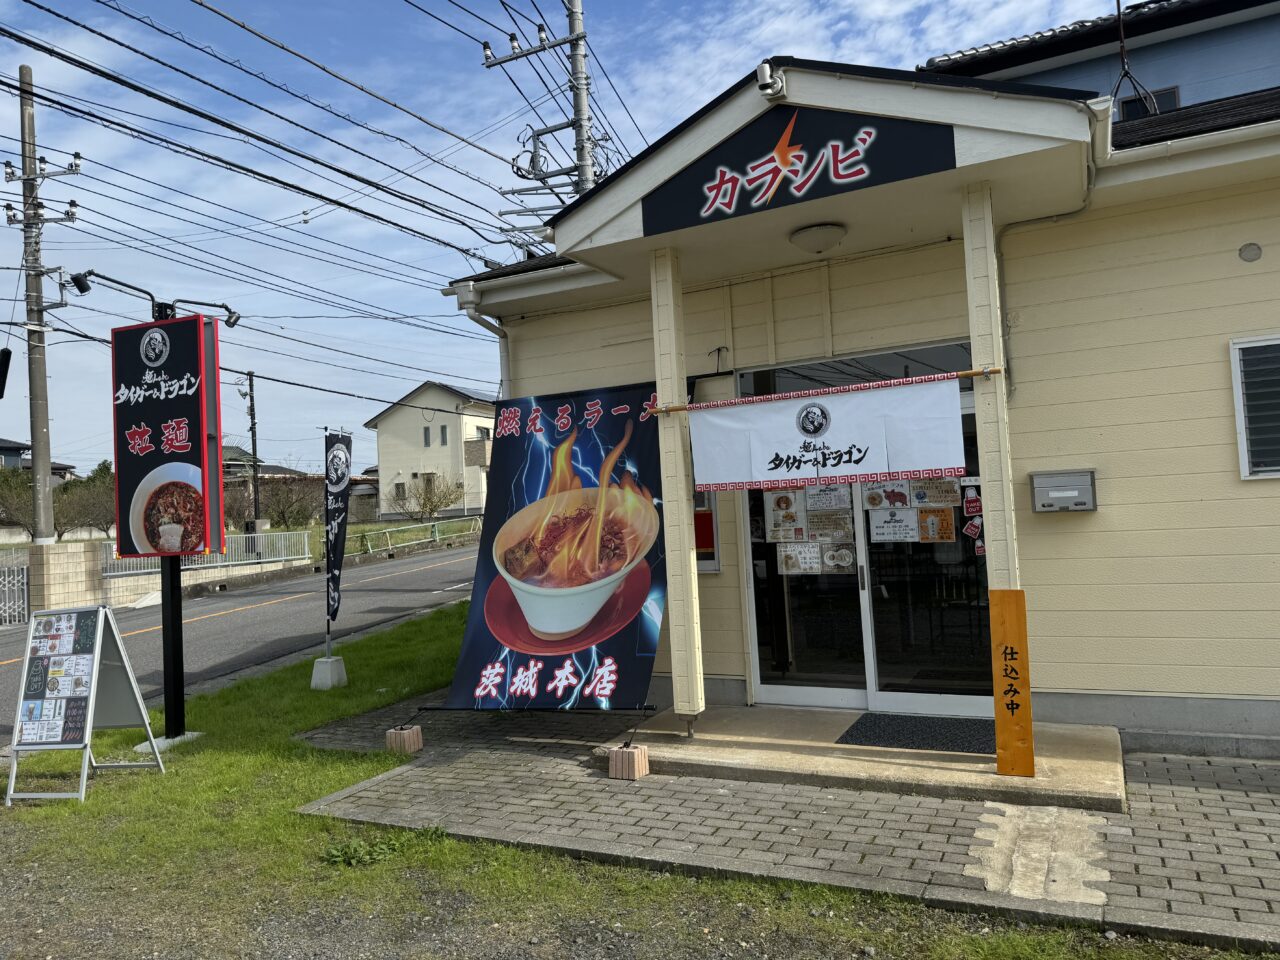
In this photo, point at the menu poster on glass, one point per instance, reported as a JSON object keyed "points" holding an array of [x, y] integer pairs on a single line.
{"points": [[830, 526], [937, 524], [797, 559], [785, 515], [939, 492], [886, 493], [839, 558], [834, 496], [894, 526]]}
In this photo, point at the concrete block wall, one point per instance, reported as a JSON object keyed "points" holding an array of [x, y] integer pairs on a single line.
{"points": [[65, 575]]}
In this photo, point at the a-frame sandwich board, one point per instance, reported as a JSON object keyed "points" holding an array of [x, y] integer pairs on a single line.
{"points": [[76, 678]]}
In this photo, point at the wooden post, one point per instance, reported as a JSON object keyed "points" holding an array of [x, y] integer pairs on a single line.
{"points": [[1011, 676]]}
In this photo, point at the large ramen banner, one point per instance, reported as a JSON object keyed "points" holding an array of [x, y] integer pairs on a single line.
{"points": [[570, 582], [168, 461]]}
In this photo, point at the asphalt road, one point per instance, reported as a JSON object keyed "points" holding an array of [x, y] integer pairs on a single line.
{"points": [[241, 628]]}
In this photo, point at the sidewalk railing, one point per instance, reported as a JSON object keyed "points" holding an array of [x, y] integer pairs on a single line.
{"points": [[243, 549], [376, 541]]}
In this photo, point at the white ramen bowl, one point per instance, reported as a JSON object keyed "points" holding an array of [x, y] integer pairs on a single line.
{"points": [[557, 613], [187, 473]]}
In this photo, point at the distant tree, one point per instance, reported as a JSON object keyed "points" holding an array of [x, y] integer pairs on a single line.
{"points": [[291, 502], [237, 503], [423, 499], [16, 505]]}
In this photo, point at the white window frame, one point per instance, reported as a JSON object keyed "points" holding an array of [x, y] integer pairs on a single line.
{"points": [[1242, 438]]}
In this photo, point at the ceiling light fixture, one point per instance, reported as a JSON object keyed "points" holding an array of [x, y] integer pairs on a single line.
{"points": [[819, 237]]}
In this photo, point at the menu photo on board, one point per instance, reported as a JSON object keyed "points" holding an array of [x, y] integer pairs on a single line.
{"points": [[785, 515], [799, 559]]}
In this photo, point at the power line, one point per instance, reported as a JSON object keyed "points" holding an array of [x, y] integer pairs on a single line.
{"points": [[195, 152], [221, 206], [288, 383], [360, 356], [173, 102], [237, 97], [337, 76], [401, 278], [305, 98]]}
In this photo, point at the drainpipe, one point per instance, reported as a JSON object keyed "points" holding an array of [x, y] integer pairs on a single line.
{"points": [[469, 300]]}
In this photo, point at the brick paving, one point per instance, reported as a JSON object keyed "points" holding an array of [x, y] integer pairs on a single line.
{"points": [[1196, 857]]}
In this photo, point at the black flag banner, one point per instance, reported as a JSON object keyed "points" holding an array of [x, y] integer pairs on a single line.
{"points": [[337, 494]]}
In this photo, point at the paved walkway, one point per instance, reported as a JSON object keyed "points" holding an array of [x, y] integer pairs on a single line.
{"points": [[1197, 856]]}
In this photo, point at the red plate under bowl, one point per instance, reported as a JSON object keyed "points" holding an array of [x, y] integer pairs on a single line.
{"points": [[505, 619]]}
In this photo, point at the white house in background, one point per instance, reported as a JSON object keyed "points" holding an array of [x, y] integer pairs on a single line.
{"points": [[450, 441]]}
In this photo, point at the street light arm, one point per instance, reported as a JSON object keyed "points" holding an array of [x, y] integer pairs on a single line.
{"points": [[232, 317]]}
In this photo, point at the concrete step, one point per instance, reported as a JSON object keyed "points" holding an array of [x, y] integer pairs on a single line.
{"points": [[1076, 766]]}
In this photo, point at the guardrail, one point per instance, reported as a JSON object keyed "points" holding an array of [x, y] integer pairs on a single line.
{"points": [[411, 535], [243, 549]]}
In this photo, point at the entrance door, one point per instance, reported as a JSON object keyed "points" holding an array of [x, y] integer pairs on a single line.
{"points": [[904, 627], [925, 597]]}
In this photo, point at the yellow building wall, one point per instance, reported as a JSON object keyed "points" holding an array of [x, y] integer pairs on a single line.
{"points": [[1119, 328], [837, 308]]}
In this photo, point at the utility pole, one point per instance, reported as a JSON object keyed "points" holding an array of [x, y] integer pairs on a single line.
{"points": [[253, 443], [33, 220], [581, 83], [532, 163], [37, 377]]}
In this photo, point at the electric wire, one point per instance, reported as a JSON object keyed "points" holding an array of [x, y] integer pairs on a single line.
{"points": [[177, 104], [184, 149], [359, 356], [222, 206], [369, 270], [240, 99], [280, 380], [352, 83], [178, 36]]}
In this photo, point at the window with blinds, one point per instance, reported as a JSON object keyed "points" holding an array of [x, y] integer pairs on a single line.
{"points": [[1256, 375]]}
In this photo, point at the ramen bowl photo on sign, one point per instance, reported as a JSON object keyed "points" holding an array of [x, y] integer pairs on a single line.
{"points": [[565, 555], [167, 511]]}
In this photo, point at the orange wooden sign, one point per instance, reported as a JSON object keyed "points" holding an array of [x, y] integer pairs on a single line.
{"points": [[1011, 675]]}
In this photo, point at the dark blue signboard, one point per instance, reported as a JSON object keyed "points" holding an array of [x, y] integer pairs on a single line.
{"points": [[570, 581], [794, 154]]}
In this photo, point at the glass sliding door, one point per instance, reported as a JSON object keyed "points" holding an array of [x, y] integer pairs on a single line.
{"points": [[853, 607]]}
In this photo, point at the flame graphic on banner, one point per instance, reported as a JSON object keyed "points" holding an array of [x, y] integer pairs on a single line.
{"points": [[784, 153]]}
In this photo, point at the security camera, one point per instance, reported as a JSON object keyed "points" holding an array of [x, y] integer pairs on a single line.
{"points": [[772, 86]]}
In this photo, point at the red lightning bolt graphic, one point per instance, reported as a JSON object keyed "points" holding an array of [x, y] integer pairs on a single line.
{"points": [[784, 152]]}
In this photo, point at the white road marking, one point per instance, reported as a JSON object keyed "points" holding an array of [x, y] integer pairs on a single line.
{"points": [[456, 586]]}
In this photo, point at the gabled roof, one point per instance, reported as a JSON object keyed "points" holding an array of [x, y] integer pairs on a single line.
{"points": [[1140, 19], [465, 394], [233, 453], [14, 444], [818, 66]]}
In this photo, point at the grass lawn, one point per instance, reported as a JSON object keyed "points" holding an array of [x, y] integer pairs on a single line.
{"points": [[212, 860]]}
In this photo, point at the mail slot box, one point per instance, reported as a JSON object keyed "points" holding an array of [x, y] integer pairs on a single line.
{"points": [[1064, 490]]}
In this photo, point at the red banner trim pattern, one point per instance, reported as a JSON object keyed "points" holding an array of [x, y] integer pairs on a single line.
{"points": [[785, 483], [827, 391]]}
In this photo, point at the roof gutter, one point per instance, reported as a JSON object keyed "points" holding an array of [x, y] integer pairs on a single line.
{"points": [[469, 300], [1203, 141]]}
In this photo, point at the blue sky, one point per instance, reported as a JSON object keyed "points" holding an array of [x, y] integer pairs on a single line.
{"points": [[665, 58]]}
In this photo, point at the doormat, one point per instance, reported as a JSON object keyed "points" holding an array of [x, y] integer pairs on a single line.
{"points": [[906, 732]]}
